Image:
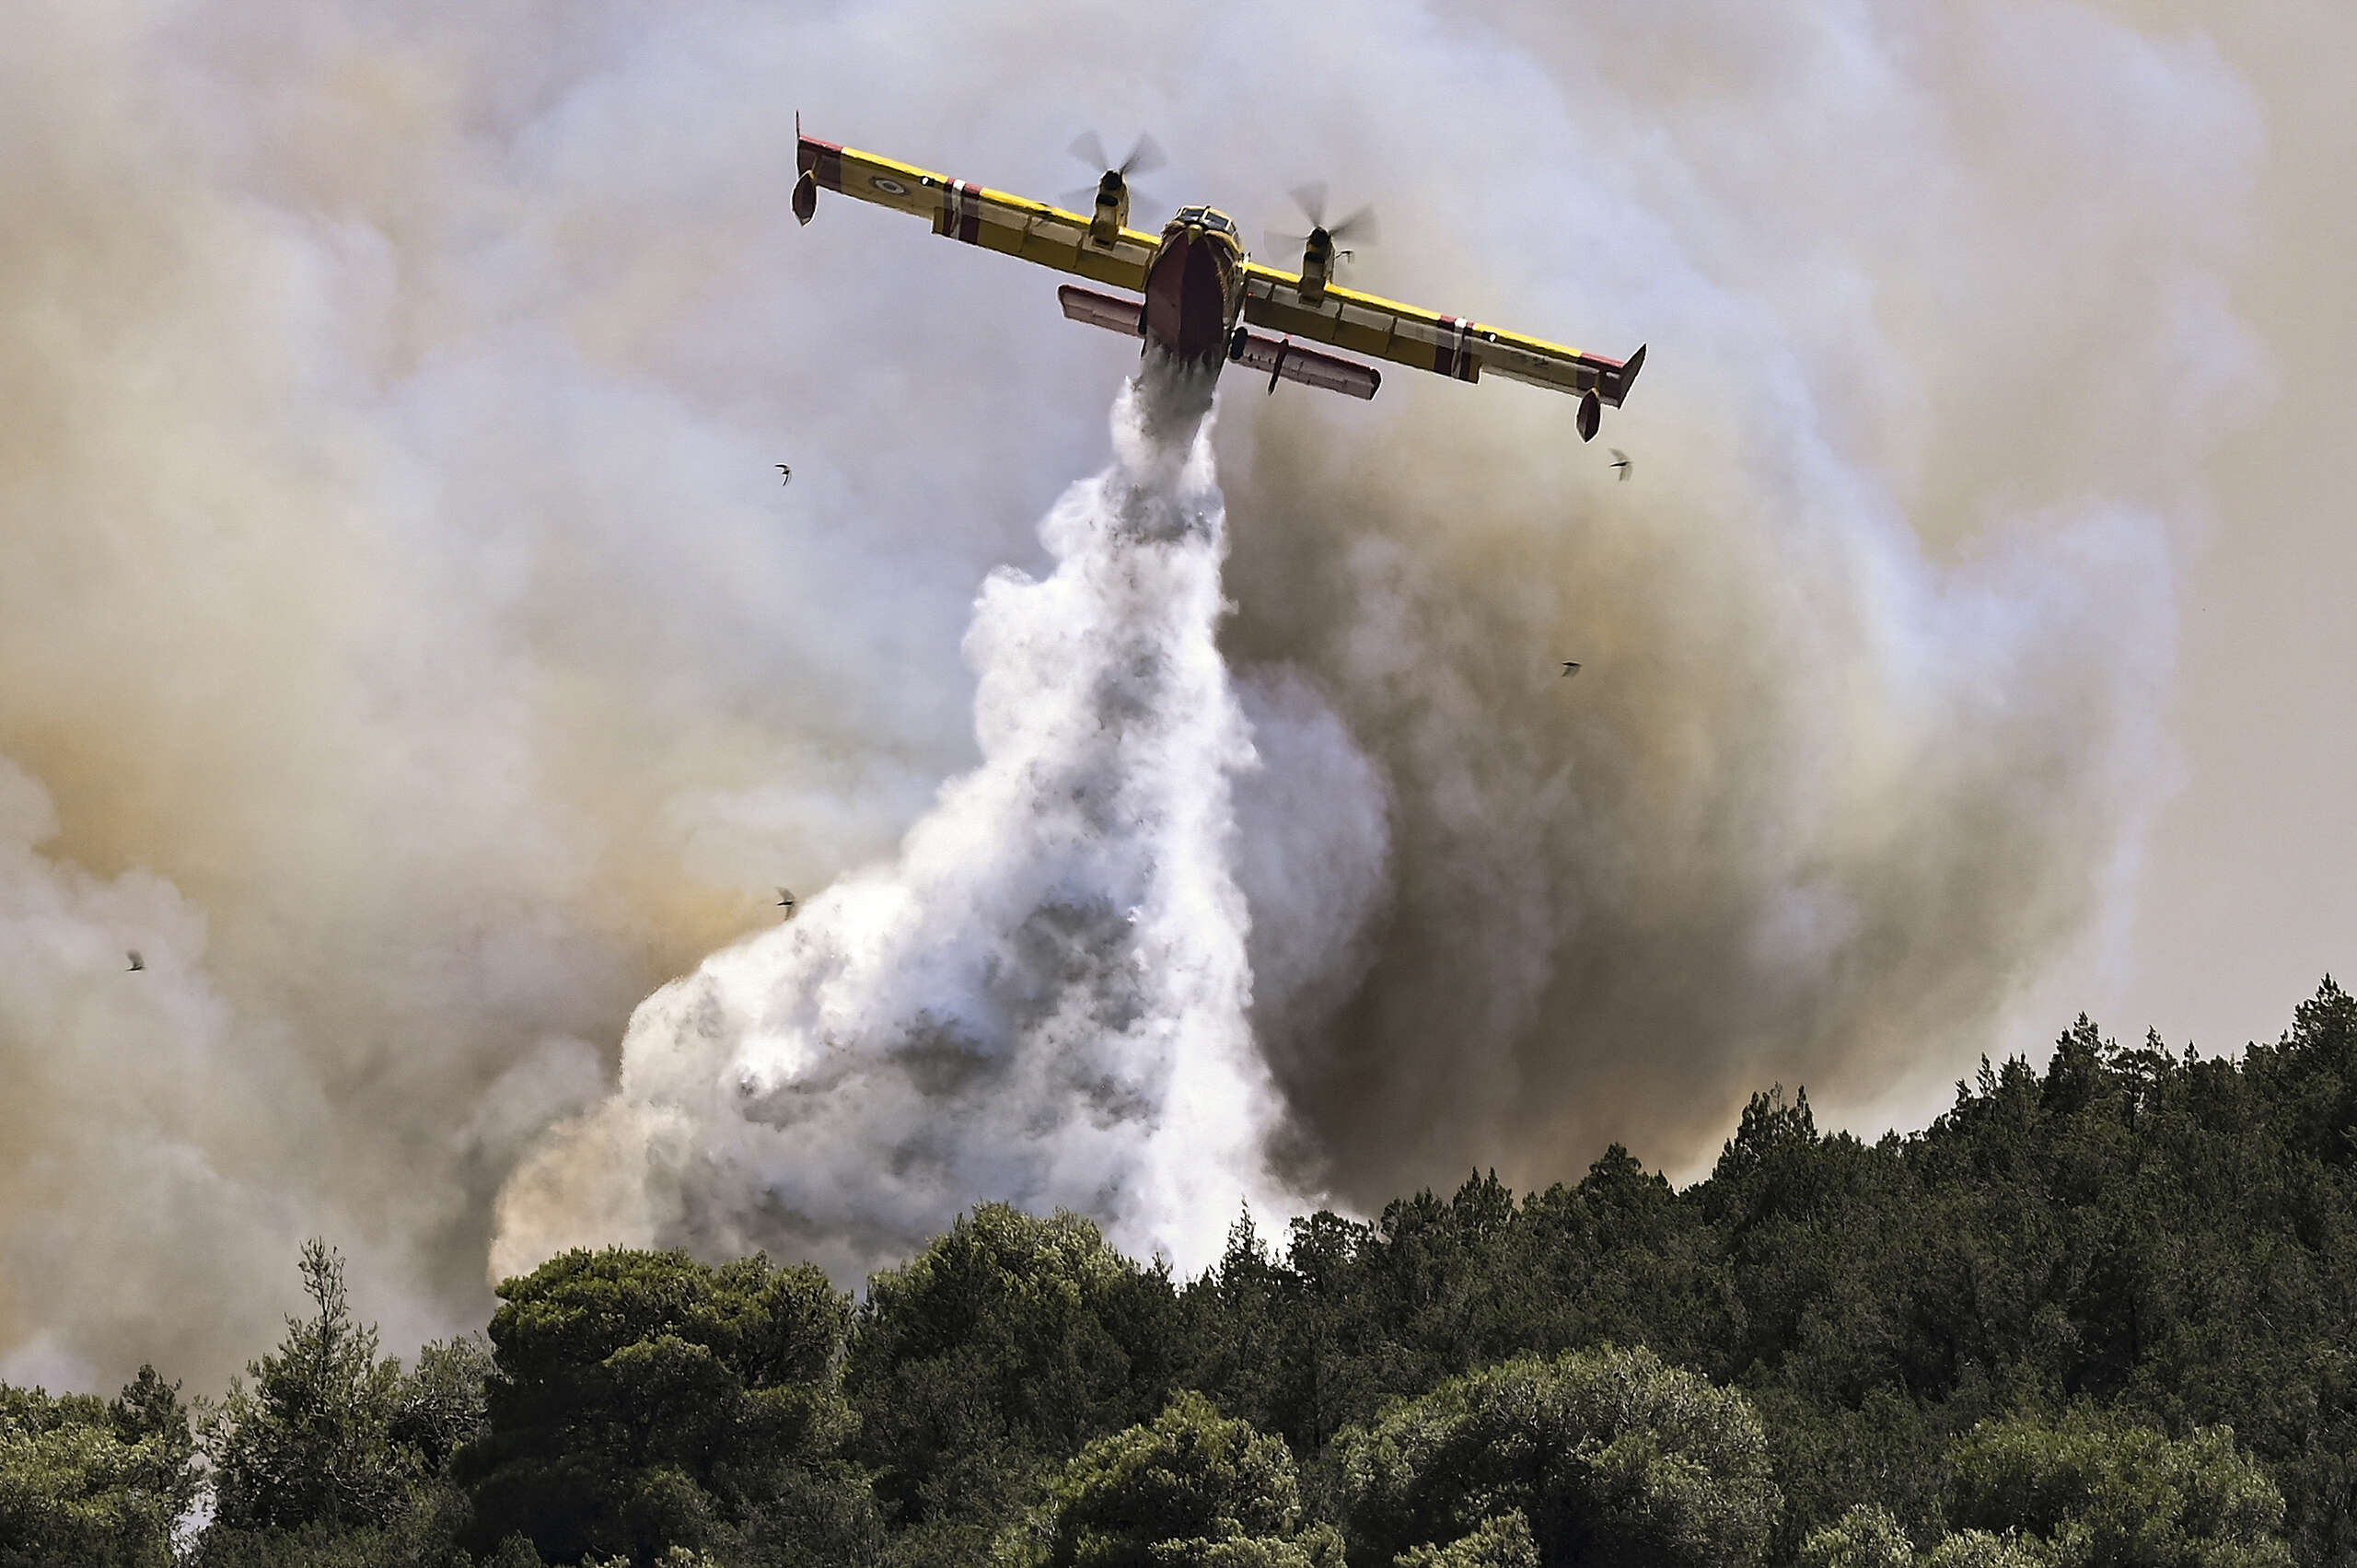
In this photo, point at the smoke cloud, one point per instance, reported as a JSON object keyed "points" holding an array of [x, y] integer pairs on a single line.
{"points": [[405, 643]]}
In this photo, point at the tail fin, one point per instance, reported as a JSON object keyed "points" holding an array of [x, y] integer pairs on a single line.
{"points": [[1614, 383]]}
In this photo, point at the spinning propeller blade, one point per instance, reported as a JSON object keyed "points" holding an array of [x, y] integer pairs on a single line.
{"points": [[1145, 154], [1345, 234]]}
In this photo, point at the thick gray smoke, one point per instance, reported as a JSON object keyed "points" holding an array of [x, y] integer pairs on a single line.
{"points": [[405, 642], [1043, 997]]}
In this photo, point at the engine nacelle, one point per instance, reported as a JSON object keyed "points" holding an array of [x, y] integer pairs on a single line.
{"points": [[1316, 265], [1112, 212]]}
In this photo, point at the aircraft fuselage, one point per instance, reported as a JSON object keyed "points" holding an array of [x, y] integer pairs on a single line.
{"points": [[1194, 289]]}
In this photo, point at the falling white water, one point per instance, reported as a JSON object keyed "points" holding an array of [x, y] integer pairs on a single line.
{"points": [[1041, 998]]}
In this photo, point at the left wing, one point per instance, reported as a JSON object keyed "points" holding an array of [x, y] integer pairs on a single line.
{"points": [[962, 210], [1447, 346]]}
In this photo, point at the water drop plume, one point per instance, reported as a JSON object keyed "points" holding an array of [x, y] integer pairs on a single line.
{"points": [[1043, 996]]}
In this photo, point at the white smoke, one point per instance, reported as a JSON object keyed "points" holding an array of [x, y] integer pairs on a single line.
{"points": [[1045, 995]]}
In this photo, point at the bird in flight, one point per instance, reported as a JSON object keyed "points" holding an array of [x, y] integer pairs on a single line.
{"points": [[137, 963], [1570, 666], [1620, 461], [785, 474], [785, 902]]}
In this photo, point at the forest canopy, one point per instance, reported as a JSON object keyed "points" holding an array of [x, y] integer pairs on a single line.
{"points": [[2101, 1313]]}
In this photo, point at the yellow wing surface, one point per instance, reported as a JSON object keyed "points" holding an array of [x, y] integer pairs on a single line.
{"points": [[1447, 346], [992, 220]]}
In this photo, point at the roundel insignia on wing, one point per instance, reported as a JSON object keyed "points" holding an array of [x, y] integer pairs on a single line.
{"points": [[887, 184]]}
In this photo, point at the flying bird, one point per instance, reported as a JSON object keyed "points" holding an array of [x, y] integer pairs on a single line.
{"points": [[1620, 461], [137, 963], [786, 474], [1571, 667], [785, 902]]}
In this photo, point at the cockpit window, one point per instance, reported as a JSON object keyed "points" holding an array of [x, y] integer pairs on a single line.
{"points": [[1210, 217]]}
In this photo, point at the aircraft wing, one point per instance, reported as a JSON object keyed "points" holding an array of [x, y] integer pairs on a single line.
{"points": [[1447, 346], [994, 220]]}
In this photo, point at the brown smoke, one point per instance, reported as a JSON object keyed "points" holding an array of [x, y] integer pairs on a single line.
{"points": [[1867, 725]]}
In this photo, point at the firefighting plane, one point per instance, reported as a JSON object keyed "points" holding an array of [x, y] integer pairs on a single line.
{"points": [[1201, 287]]}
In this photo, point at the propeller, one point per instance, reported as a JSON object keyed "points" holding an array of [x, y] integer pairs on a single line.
{"points": [[1145, 155], [1144, 158], [1360, 225]]}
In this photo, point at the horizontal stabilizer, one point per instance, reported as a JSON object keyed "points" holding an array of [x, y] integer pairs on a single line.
{"points": [[1280, 358], [1102, 310]]}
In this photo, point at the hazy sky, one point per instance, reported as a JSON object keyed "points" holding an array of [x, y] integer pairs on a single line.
{"points": [[2250, 889], [404, 642]]}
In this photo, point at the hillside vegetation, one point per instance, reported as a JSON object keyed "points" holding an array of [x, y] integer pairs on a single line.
{"points": [[2101, 1314]]}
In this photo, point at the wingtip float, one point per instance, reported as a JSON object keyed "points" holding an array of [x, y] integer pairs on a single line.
{"points": [[1201, 292]]}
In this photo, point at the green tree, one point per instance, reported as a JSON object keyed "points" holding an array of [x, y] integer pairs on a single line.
{"points": [[2100, 1494], [1612, 1456], [1984, 1548], [310, 1441], [1503, 1541], [434, 1410], [1236, 1316], [1189, 1487], [440, 1406], [1869, 1535], [423, 1535], [642, 1401], [2312, 1076], [1865, 1536], [990, 1359], [93, 1483], [332, 1457]]}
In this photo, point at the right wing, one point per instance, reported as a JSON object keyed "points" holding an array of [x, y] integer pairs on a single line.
{"points": [[992, 220], [1447, 345]]}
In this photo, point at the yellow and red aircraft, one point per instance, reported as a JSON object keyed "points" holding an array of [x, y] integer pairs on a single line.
{"points": [[1200, 286]]}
